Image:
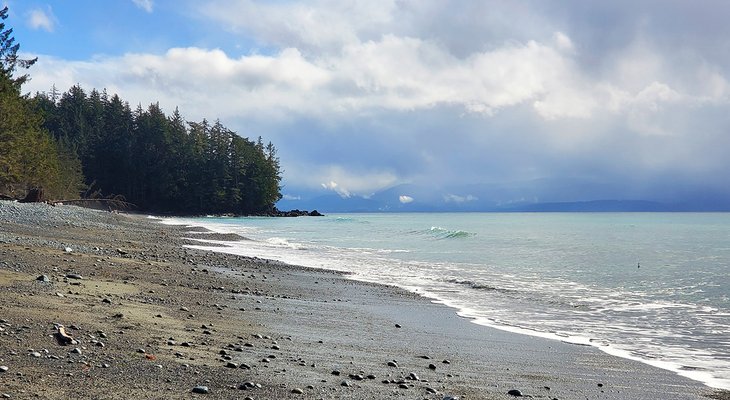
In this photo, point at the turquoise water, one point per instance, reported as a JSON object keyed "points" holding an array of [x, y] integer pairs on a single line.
{"points": [[647, 286]]}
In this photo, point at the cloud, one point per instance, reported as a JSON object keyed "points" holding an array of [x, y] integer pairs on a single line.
{"points": [[333, 186], [366, 95], [146, 5], [405, 199], [40, 19], [343, 181], [286, 196], [452, 198]]}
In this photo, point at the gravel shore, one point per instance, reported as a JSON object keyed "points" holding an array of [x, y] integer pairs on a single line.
{"points": [[152, 319]]}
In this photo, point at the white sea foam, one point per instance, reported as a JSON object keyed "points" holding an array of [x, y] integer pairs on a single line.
{"points": [[554, 277]]}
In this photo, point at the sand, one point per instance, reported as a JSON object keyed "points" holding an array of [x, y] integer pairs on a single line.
{"points": [[153, 320]]}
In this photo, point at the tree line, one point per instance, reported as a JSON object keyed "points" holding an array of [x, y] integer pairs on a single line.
{"points": [[94, 144]]}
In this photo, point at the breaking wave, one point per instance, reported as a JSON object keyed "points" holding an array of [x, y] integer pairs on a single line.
{"points": [[442, 233]]}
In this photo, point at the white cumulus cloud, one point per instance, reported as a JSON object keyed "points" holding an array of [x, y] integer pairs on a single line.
{"points": [[42, 19], [405, 199], [146, 5]]}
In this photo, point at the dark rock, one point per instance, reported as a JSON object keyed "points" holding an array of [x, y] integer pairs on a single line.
{"points": [[201, 390], [431, 366], [393, 364], [231, 365], [297, 391], [74, 276], [43, 278], [345, 384], [3, 368], [248, 385], [515, 392], [397, 326], [336, 373]]}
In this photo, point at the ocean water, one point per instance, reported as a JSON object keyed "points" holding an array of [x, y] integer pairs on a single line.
{"points": [[653, 287]]}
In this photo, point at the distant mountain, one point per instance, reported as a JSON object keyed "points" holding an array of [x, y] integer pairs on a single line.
{"points": [[482, 198]]}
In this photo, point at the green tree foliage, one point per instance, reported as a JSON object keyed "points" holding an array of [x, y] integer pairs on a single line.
{"points": [[29, 156], [68, 142], [162, 163], [9, 60]]}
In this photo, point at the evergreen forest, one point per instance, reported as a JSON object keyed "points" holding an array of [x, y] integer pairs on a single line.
{"points": [[94, 145]]}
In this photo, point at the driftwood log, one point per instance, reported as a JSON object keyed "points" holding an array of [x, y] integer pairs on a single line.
{"points": [[99, 204]]}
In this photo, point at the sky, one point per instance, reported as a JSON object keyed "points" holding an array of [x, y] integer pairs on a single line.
{"points": [[488, 100]]}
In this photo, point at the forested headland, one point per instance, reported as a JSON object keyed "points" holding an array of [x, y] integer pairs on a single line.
{"points": [[94, 145]]}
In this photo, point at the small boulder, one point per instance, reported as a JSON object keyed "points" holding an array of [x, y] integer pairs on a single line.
{"points": [[201, 390]]}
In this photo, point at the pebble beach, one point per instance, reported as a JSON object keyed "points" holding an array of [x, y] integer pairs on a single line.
{"points": [[152, 319]]}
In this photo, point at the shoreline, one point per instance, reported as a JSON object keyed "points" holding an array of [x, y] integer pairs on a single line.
{"points": [[313, 323], [217, 240]]}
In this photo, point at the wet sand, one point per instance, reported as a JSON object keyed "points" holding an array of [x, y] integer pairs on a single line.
{"points": [[154, 320]]}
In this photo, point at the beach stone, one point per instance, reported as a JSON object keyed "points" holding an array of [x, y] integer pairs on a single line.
{"points": [[43, 278], [412, 376], [201, 390], [76, 350], [515, 392], [244, 366], [403, 386], [74, 276], [297, 391], [231, 365], [345, 384], [336, 373], [393, 364], [248, 385], [431, 366], [4, 368]]}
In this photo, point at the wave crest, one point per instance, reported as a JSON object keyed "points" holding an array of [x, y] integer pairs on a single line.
{"points": [[443, 233]]}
